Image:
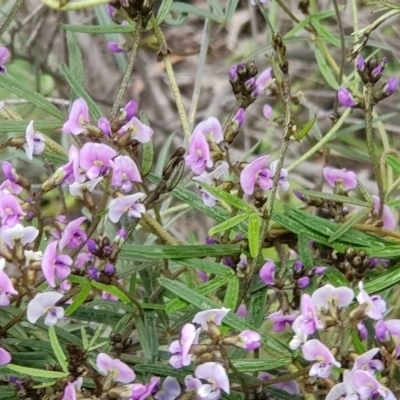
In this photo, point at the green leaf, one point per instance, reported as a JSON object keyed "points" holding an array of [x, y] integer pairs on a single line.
{"points": [[37, 372], [58, 351], [228, 224], [385, 280], [156, 252], [77, 279], [81, 92], [189, 9], [163, 11], [143, 338], [114, 290], [79, 299], [232, 293], [230, 10], [99, 29], [210, 267], [366, 194], [232, 320], [256, 311], [335, 277], [150, 326], [333, 197], [325, 69], [354, 219], [304, 250], [394, 162], [20, 126], [306, 129], [161, 370], [216, 8], [249, 365], [147, 149], [75, 60], [227, 197], [349, 152], [297, 28], [12, 85], [325, 34], [358, 344], [254, 235]]}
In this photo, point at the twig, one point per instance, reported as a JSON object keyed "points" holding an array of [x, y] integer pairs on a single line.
{"points": [[11, 16]]}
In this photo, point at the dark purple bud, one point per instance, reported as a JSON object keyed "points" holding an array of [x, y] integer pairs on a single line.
{"points": [[210, 240], [93, 273], [362, 331], [250, 85], [241, 70], [345, 98], [92, 246], [107, 250], [130, 110], [299, 195], [238, 119], [228, 262], [377, 72], [298, 266], [303, 282], [233, 76], [391, 86], [319, 271], [110, 10], [360, 64], [254, 94], [121, 236], [109, 269]]}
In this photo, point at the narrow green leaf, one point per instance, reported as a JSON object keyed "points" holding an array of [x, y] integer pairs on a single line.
{"points": [[348, 152], [366, 194], [254, 235], [394, 163], [228, 224], [216, 8], [232, 293], [335, 277], [354, 219], [75, 60], [325, 69], [227, 197], [150, 320], [210, 267], [189, 9], [298, 27], [112, 290], [305, 250], [20, 126], [147, 150], [359, 346], [256, 311], [77, 279], [12, 85], [249, 365], [334, 197], [160, 370], [306, 129], [232, 320], [327, 35], [230, 10], [81, 92], [37, 372], [143, 338], [163, 11], [79, 299], [99, 29], [58, 351], [386, 280]]}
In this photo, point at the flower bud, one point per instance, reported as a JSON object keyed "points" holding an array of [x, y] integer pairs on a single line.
{"points": [[303, 282], [346, 99]]}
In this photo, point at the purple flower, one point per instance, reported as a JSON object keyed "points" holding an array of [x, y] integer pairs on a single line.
{"points": [[72, 236], [267, 111], [181, 348], [208, 199], [170, 389], [20, 233], [139, 391], [95, 158], [78, 118], [314, 350], [55, 266], [123, 204], [319, 271], [9, 172], [5, 357], [391, 86], [343, 390], [104, 124], [329, 296], [138, 131], [4, 57], [115, 47], [255, 174], [300, 337], [368, 387], [345, 98], [242, 311], [373, 309], [44, 303], [386, 330], [362, 330], [118, 370], [199, 156], [367, 363], [10, 187], [308, 320], [78, 175], [125, 172], [264, 80], [6, 285], [267, 273], [303, 282], [283, 183], [238, 119], [389, 221], [211, 129], [69, 392], [76, 189], [217, 377], [129, 111], [347, 180], [360, 64], [249, 340], [279, 320], [215, 315], [35, 143], [10, 209]]}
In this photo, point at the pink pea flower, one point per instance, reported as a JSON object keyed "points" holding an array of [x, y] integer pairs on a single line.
{"points": [[6, 285], [119, 371], [125, 173], [70, 391], [191, 383], [181, 348], [267, 273], [249, 340], [78, 118], [138, 391], [367, 363], [242, 311], [76, 189], [115, 47], [5, 356], [35, 143], [170, 389], [283, 183], [300, 337], [368, 387], [375, 306], [138, 130], [215, 315], [4, 57], [211, 129], [255, 174], [44, 304], [344, 389], [78, 174], [208, 199], [108, 296], [329, 295], [345, 98], [104, 124], [314, 350], [72, 236], [390, 329], [264, 80], [217, 377], [9, 172], [199, 156], [10, 209], [347, 180], [95, 158], [23, 234], [54, 265], [126, 204], [10, 187], [280, 320], [389, 221], [308, 320], [129, 111]]}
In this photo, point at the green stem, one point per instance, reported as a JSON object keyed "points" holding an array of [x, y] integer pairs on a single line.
{"points": [[11, 16]]}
